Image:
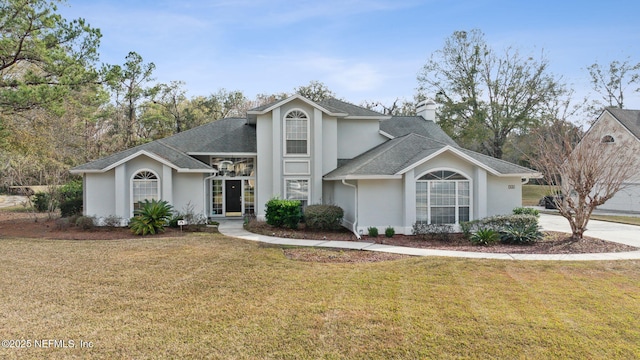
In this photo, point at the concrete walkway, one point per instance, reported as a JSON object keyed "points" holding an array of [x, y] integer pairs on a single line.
{"points": [[626, 234]]}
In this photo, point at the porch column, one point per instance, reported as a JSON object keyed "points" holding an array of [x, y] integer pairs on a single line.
{"points": [[409, 211], [316, 158], [167, 184], [121, 191], [479, 193], [276, 127]]}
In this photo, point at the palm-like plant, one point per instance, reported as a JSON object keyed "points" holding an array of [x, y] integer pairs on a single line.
{"points": [[151, 218]]}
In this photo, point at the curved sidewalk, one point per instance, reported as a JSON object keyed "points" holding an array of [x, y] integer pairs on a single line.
{"points": [[626, 234]]}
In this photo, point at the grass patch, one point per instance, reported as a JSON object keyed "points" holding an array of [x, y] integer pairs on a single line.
{"points": [[531, 194], [208, 296], [631, 220]]}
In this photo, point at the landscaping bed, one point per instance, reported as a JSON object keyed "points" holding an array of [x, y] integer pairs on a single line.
{"points": [[552, 243]]}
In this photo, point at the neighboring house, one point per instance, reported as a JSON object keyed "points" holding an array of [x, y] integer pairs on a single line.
{"points": [[382, 170], [619, 127]]}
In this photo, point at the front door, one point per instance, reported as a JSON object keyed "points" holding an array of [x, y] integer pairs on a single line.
{"points": [[233, 198]]}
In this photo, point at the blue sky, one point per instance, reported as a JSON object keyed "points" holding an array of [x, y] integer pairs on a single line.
{"points": [[362, 50]]}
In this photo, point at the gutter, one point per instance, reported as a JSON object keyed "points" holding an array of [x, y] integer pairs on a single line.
{"points": [[354, 228]]}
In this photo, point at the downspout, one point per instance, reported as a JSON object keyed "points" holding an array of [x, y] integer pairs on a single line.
{"points": [[354, 229]]}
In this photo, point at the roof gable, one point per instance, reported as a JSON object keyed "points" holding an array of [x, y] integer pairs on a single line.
{"points": [[630, 119], [397, 156]]}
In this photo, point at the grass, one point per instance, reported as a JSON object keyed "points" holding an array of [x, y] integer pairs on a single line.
{"points": [[531, 194], [208, 296]]}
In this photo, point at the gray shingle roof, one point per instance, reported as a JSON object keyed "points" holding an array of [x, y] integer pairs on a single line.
{"points": [[231, 135], [628, 118], [351, 109], [223, 136], [398, 154], [399, 126]]}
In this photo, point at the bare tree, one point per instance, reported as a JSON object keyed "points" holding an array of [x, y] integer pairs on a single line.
{"points": [[588, 172], [611, 82]]}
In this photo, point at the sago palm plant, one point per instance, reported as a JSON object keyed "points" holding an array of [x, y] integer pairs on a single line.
{"points": [[151, 218]]}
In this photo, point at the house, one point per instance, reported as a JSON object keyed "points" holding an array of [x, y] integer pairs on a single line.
{"points": [[621, 128], [382, 170]]}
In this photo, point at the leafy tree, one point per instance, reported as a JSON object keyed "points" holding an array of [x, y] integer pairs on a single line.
{"points": [[172, 99], [484, 97], [612, 82], [42, 55], [223, 104], [315, 91], [128, 84]]}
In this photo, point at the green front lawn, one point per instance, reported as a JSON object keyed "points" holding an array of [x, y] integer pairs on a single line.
{"points": [[208, 296]]}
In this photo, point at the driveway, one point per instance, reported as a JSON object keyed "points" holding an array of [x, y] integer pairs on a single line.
{"points": [[620, 233]]}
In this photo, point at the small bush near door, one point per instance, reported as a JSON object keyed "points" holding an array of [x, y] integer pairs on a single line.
{"points": [[281, 213]]}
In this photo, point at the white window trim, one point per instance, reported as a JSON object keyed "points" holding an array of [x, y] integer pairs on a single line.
{"points": [[131, 179], [297, 179], [284, 134], [469, 179]]}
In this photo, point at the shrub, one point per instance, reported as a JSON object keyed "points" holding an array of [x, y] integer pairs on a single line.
{"points": [[323, 217], [520, 234], [85, 222], [70, 190], [389, 231], [112, 221], [497, 223], [71, 207], [151, 218], [526, 211], [281, 213], [372, 231], [43, 202], [63, 223], [486, 236], [432, 231]]}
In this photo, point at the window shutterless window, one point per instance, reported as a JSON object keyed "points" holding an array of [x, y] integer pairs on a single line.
{"points": [[296, 133], [443, 197]]}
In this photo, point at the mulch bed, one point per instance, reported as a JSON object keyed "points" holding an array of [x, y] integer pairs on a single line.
{"points": [[552, 243]]}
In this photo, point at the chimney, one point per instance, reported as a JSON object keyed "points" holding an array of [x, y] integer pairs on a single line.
{"points": [[427, 109]]}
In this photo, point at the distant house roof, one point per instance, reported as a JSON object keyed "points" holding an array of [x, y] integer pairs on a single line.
{"points": [[231, 135], [628, 118], [395, 157]]}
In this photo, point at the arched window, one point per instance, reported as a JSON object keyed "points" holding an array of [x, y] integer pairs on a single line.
{"points": [[443, 197], [144, 186], [607, 139], [296, 133]]}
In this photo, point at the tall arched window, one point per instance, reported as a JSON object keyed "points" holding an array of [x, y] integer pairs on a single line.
{"points": [[144, 186], [296, 133], [443, 197]]}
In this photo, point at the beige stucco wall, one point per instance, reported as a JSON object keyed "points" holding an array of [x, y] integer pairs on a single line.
{"points": [[627, 199]]}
